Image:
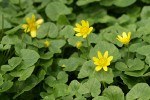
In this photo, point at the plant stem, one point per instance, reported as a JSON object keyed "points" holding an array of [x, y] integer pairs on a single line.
{"points": [[88, 44], [104, 85], [127, 55], [2, 26], [128, 52], [88, 47]]}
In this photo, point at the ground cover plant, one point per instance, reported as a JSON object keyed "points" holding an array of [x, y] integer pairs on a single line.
{"points": [[74, 49]]}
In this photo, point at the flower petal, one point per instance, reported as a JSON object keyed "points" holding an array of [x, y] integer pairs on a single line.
{"points": [[33, 33], [76, 29], [95, 59], [105, 68], [84, 36], [110, 58], [78, 25], [87, 24], [119, 37], [83, 23], [25, 26], [33, 18], [98, 68], [39, 21], [106, 54], [129, 35], [78, 34], [90, 30], [99, 54], [28, 20], [124, 35]]}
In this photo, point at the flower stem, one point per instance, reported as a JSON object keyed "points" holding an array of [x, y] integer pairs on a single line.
{"points": [[88, 44], [104, 85], [127, 55], [128, 52], [2, 26]]}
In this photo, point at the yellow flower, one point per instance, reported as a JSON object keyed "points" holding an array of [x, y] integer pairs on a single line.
{"points": [[102, 61], [125, 39], [84, 29], [32, 25], [46, 44], [78, 44]]}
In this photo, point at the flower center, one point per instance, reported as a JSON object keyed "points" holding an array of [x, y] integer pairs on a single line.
{"points": [[32, 25], [84, 30], [103, 61]]}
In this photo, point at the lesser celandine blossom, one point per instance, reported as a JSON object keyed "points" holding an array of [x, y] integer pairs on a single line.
{"points": [[83, 30], [125, 39], [102, 61], [46, 43], [78, 44], [32, 25]]}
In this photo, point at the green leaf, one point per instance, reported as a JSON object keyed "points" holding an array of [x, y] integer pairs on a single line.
{"points": [[51, 81], [130, 81], [30, 57], [38, 43], [12, 31], [146, 1], [74, 87], [139, 91], [10, 39], [41, 75], [62, 77], [91, 86], [66, 1], [104, 76], [144, 50], [145, 12], [56, 45], [132, 65], [6, 67], [103, 46], [107, 2], [71, 64], [62, 20], [5, 47], [113, 93], [5, 22], [47, 55], [135, 45], [124, 3], [93, 38], [85, 2], [112, 37], [67, 31], [61, 90], [87, 69], [80, 98], [27, 85], [6, 85], [101, 98], [55, 9], [147, 59], [23, 74], [137, 73], [73, 40], [1, 80], [13, 62], [47, 29], [49, 97]]}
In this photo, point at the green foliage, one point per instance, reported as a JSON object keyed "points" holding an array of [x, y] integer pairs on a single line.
{"points": [[113, 93], [49, 66]]}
